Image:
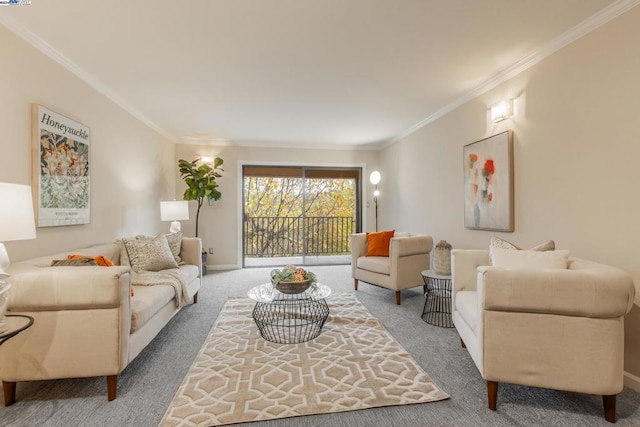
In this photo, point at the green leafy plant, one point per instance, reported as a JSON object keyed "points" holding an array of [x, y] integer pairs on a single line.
{"points": [[201, 182], [291, 273]]}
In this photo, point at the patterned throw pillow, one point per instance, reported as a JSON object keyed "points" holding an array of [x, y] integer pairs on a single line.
{"points": [[175, 243], [150, 255], [497, 242], [78, 262]]}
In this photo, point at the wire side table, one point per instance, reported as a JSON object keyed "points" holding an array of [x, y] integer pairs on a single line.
{"points": [[437, 304], [289, 318], [16, 323]]}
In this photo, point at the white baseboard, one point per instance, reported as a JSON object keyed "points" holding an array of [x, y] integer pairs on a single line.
{"points": [[222, 267], [632, 381]]}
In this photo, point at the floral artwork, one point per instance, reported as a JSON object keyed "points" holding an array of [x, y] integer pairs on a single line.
{"points": [[62, 162], [488, 183]]}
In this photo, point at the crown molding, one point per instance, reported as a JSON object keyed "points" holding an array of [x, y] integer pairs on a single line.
{"points": [[588, 25], [44, 47]]}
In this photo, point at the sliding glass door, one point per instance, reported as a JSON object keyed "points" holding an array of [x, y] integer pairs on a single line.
{"points": [[299, 215]]}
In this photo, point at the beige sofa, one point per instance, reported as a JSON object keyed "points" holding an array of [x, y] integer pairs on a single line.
{"points": [[408, 256], [554, 328], [87, 323]]}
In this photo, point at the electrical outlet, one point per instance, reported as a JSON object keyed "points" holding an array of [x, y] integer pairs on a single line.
{"points": [[210, 251]]}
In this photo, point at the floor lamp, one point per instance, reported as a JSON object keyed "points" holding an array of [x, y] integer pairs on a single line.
{"points": [[375, 179], [16, 223]]}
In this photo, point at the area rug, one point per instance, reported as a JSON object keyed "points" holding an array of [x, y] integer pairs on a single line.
{"points": [[354, 364]]}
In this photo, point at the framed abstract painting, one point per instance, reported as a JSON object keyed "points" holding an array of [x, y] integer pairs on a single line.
{"points": [[488, 183], [61, 186]]}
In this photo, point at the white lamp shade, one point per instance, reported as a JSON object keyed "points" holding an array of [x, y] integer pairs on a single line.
{"points": [[375, 177], [16, 213], [176, 210]]}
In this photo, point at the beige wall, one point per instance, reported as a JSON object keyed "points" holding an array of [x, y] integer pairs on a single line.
{"points": [[132, 167], [577, 146], [219, 223]]}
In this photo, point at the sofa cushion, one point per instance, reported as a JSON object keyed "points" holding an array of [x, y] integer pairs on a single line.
{"points": [[148, 300], [376, 264], [378, 243], [529, 259], [189, 272], [467, 306], [150, 255]]}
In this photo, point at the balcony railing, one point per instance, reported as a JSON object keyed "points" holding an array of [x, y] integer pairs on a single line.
{"points": [[294, 236]]}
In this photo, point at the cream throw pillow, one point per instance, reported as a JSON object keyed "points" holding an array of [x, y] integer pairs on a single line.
{"points": [[150, 255], [529, 259]]}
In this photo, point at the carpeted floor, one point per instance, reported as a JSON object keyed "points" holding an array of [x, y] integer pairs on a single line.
{"points": [[149, 383]]}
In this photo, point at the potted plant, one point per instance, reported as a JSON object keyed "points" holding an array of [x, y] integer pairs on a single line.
{"points": [[201, 184]]}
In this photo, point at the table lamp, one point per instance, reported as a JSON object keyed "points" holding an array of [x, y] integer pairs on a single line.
{"points": [[175, 210], [16, 223]]}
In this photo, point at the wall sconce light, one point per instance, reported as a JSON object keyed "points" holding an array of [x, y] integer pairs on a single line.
{"points": [[375, 179], [501, 111], [175, 210], [207, 160]]}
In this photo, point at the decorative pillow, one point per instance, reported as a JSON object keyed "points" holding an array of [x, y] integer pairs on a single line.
{"points": [[497, 242], [530, 259], [150, 255], [175, 243], [101, 260], [77, 262], [378, 243]]}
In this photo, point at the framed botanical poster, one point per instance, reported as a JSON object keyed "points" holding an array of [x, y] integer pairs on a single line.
{"points": [[488, 183], [60, 168]]}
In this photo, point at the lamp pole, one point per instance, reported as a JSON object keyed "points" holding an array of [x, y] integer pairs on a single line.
{"points": [[375, 179]]}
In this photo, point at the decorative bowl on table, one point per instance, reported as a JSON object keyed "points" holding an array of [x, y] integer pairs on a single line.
{"points": [[292, 279], [293, 287]]}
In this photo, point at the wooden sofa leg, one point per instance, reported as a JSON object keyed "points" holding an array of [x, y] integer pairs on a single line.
{"points": [[492, 394], [609, 402], [9, 389], [355, 284], [398, 297], [195, 298], [462, 343], [112, 387]]}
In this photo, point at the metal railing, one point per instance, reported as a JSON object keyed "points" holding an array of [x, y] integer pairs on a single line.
{"points": [[294, 236]]}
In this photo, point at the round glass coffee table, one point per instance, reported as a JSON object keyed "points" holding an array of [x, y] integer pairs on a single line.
{"points": [[289, 318]]}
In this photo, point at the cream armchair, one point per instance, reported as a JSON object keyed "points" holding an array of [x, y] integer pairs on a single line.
{"points": [[559, 329], [408, 256]]}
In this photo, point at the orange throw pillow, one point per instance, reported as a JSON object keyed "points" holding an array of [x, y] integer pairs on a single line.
{"points": [[378, 243], [101, 260]]}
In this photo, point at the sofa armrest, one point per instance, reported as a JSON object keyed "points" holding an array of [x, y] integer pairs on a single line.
{"points": [[597, 292], [410, 245], [358, 249], [69, 288], [191, 252], [464, 268]]}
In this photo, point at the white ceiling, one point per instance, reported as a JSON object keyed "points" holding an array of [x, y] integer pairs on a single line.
{"points": [[316, 73]]}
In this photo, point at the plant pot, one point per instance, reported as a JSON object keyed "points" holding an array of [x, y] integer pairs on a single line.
{"points": [[204, 263]]}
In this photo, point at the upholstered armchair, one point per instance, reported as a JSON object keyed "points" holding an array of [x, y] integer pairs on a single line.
{"points": [[554, 328], [408, 256]]}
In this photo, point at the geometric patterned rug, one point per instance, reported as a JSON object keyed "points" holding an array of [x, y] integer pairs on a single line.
{"points": [[354, 364]]}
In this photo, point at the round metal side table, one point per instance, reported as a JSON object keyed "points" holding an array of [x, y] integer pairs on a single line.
{"points": [[289, 318], [437, 304], [16, 323]]}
